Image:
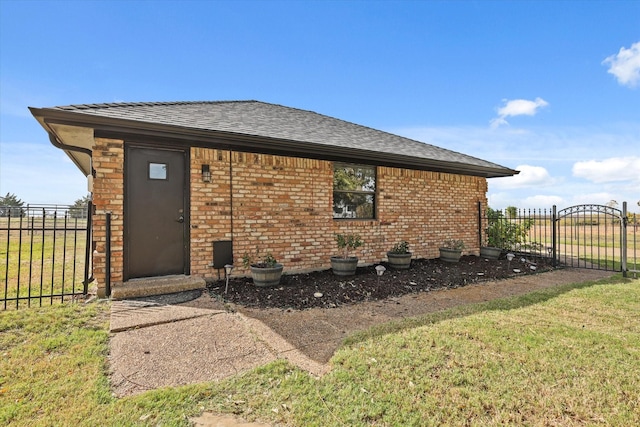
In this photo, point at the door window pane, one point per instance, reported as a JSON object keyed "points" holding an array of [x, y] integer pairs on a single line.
{"points": [[157, 171]]}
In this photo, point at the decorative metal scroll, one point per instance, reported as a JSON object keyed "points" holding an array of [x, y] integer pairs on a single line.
{"points": [[583, 209]]}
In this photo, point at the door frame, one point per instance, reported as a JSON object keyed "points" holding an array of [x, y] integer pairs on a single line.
{"points": [[186, 194]]}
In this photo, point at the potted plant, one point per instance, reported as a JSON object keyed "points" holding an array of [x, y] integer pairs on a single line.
{"points": [[451, 250], [265, 272], [399, 256], [490, 252], [492, 249], [346, 265]]}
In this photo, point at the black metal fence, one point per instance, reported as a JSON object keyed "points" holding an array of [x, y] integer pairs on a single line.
{"points": [[45, 251], [45, 254], [585, 236], [521, 231]]}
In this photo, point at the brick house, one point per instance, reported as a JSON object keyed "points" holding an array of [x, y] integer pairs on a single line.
{"points": [[179, 178]]}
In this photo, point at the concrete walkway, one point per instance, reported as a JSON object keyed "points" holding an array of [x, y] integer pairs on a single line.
{"points": [[156, 345], [135, 314]]}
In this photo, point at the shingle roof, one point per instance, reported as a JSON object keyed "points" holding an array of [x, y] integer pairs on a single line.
{"points": [[280, 123]]}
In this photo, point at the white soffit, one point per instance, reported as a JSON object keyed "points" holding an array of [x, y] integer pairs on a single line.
{"points": [[75, 136]]}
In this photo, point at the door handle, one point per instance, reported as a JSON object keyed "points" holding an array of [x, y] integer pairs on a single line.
{"points": [[180, 219]]}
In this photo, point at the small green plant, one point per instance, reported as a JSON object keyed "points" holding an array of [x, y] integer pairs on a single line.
{"points": [[348, 242], [454, 244], [505, 233], [400, 248], [267, 261]]}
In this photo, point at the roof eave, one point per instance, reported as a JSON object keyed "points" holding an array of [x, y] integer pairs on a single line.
{"points": [[256, 143], [75, 153]]}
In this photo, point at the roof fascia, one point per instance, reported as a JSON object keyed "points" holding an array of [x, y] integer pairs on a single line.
{"points": [[129, 129]]}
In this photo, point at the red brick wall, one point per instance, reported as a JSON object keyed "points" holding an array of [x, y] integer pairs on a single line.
{"points": [[283, 205], [425, 208], [108, 197], [210, 207]]}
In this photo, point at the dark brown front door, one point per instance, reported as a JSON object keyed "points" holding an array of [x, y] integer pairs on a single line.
{"points": [[156, 217]]}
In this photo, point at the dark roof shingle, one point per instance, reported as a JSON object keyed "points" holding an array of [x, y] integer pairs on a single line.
{"points": [[280, 123]]}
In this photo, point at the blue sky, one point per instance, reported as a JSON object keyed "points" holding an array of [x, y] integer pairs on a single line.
{"points": [[551, 88]]}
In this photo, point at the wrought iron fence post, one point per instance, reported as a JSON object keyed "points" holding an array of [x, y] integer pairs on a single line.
{"points": [[88, 249], [107, 280], [19, 262], [553, 236], [479, 224], [623, 238]]}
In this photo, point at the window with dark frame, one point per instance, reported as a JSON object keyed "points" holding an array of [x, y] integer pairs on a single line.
{"points": [[354, 191]]}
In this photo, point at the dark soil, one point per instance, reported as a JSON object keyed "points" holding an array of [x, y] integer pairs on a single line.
{"points": [[302, 291]]}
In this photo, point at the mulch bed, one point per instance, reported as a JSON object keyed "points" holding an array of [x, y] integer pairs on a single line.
{"points": [[323, 289]]}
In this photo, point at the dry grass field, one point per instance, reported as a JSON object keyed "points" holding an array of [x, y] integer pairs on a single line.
{"points": [[583, 242]]}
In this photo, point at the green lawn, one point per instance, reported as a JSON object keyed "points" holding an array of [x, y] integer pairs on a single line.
{"points": [[614, 263], [28, 260], [563, 356]]}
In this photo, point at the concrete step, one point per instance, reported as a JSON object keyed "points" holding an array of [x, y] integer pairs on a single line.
{"points": [[149, 286]]}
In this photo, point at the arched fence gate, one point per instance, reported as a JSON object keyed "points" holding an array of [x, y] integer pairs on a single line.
{"points": [[584, 236], [596, 236]]}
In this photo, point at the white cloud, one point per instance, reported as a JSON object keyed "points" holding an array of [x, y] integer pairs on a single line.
{"points": [[517, 107], [543, 146], [555, 150], [609, 170], [539, 201], [529, 176], [601, 198], [625, 65]]}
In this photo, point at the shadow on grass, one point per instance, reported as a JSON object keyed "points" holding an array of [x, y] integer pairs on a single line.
{"points": [[508, 303]]}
